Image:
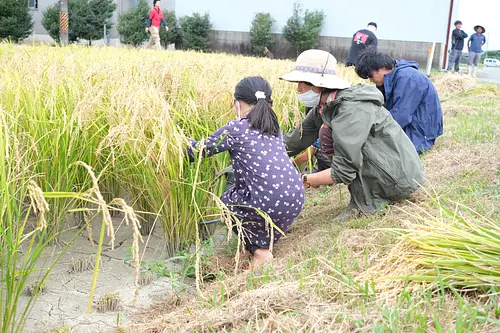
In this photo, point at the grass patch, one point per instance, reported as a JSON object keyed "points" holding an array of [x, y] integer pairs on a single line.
{"points": [[479, 126]]}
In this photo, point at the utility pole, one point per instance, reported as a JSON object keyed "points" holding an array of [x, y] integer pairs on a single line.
{"points": [[450, 14], [64, 22]]}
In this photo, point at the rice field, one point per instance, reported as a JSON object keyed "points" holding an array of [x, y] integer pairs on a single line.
{"points": [[90, 134]]}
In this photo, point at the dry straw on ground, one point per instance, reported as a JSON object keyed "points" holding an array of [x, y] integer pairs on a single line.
{"points": [[448, 84]]}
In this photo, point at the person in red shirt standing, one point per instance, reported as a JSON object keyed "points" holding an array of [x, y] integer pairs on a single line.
{"points": [[154, 24]]}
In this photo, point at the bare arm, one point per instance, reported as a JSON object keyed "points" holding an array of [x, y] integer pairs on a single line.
{"points": [[320, 178]]}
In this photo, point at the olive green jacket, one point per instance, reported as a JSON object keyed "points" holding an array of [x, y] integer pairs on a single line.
{"points": [[372, 153]]}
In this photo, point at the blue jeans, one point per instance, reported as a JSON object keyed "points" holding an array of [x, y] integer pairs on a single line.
{"points": [[454, 60]]}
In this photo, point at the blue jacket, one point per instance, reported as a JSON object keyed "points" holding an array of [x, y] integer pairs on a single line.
{"points": [[414, 103]]}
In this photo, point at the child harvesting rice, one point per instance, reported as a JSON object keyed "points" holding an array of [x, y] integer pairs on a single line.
{"points": [[265, 178]]}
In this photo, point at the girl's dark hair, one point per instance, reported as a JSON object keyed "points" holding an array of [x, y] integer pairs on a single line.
{"points": [[262, 116], [370, 60]]}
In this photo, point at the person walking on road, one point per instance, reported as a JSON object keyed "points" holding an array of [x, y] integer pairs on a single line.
{"points": [[457, 46], [475, 44], [360, 41], [154, 24]]}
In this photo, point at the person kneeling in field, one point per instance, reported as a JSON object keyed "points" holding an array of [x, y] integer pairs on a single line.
{"points": [[265, 179], [372, 154]]}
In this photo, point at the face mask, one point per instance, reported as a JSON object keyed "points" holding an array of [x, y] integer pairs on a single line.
{"points": [[238, 110], [310, 98]]}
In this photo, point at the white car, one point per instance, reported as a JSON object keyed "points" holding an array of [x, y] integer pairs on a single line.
{"points": [[489, 62]]}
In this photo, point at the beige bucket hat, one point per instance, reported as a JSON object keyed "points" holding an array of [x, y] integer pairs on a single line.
{"points": [[317, 67]]}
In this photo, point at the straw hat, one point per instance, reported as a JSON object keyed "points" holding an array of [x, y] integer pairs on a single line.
{"points": [[479, 26], [317, 67]]}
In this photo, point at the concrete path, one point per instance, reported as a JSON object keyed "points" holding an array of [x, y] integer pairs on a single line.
{"points": [[489, 74]]}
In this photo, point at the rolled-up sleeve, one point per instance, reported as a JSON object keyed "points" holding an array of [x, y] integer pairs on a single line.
{"points": [[350, 130]]}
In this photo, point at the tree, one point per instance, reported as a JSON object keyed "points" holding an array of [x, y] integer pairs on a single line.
{"points": [[15, 20], [131, 25], [491, 54], [260, 33], [195, 30], [302, 29], [50, 21], [86, 19]]}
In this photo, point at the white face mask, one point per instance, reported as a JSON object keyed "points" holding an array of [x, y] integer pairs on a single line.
{"points": [[238, 110], [310, 98]]}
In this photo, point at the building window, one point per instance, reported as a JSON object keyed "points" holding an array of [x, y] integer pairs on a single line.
{"points": [[33, 4]]}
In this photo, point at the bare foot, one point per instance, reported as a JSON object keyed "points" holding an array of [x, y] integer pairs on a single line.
{"points": [[261, 257]]}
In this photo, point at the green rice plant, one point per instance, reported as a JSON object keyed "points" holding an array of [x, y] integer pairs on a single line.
{"points": [[108, 302], [456, 246], [42, 109], [20, 246]]}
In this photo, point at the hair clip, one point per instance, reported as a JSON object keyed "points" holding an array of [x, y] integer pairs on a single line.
{"points": [[260, 95]]}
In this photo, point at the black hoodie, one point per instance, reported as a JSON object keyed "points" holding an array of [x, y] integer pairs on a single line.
{"points": [[457, 39]]}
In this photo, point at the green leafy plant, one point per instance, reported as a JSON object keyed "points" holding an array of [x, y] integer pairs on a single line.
{"points": [[260, 33], [16, 22], [195, 30], [303, 28]]}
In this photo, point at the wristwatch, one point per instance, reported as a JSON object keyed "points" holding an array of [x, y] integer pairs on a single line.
{"points": [[304, 180]]}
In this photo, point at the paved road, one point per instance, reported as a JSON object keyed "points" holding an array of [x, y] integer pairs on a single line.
{"points": [[489, 74]]}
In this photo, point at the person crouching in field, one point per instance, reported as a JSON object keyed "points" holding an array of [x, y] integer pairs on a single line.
{"points": [[265, 178], [154, 24], [372, 154], [410, 96]]}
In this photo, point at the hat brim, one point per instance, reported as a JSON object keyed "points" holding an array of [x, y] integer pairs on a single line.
{"points": [[328, 81], [479, 26]]}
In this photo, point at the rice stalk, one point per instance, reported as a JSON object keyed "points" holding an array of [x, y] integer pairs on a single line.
{"points": [[456, 246]]}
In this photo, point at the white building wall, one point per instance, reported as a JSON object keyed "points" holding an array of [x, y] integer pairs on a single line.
{"points": [[409, 20]]}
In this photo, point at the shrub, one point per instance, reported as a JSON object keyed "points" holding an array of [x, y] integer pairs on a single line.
{"points": [[260, 33], [172, 36], [15, 20], [302, 29], [195, 30], [86, 19], [131, 25]]}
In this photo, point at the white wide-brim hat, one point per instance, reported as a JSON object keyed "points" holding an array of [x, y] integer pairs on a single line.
{"points": [[318, 68]]}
